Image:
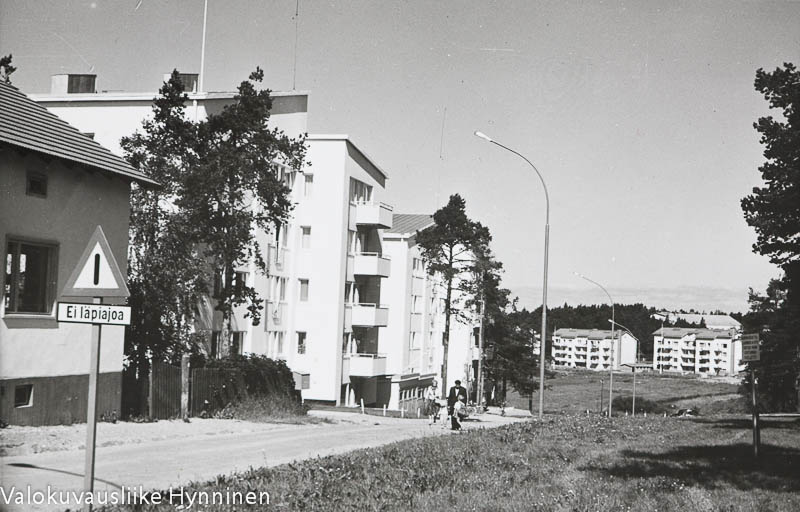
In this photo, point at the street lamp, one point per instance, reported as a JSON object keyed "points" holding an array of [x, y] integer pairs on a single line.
{"points": [[611, 366], [546, 253]]}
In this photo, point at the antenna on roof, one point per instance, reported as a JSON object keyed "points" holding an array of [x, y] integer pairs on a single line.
{"points": [[441, 159], [203, 50], [294, 70]]}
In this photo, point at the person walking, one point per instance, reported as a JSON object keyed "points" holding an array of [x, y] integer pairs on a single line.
{"points": [[431, 407], [457, 394]]}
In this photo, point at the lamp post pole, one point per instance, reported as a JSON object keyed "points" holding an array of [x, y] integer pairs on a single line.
{"points": [[546, 255], [611, 366]]}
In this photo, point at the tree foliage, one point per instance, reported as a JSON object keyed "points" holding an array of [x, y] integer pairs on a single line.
{"points": [[449, 248], [774, 212], [6, 69], [219, 184]]}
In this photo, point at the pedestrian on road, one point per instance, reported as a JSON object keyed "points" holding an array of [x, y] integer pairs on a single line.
{"points": [[457, 394], [431, 406]]}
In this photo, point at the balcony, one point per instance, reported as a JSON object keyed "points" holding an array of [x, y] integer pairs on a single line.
{"points": [[370, 315], [348, 318], [371, 264], [277, 257], [374, 214], [276, 316], [365, 365]]}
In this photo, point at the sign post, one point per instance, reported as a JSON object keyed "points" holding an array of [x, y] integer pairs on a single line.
{"points": [[96, 275], [751, 352]]}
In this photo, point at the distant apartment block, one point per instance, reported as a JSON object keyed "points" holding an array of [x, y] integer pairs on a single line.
{"points": [[715, 322], [593, 349], [700, 351]]}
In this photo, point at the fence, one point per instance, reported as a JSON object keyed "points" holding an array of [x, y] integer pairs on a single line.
{"points": [[158, 395]]}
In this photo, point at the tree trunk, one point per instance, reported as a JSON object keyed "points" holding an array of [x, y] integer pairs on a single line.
{"points": [[446, 336]]}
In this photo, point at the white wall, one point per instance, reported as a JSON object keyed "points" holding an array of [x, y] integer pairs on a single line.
{"points": [[77, 202]]}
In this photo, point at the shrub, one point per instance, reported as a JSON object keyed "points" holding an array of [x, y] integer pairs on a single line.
{"points": [[624, 403]]}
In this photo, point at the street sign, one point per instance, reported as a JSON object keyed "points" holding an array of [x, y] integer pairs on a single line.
{"points": [[750, 347], [94, 314], [97, 273]]}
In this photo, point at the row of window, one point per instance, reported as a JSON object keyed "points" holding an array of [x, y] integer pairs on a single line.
{"points": [[276, 342]]}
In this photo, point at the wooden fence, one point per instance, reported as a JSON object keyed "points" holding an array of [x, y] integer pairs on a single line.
{"points": [[165, 391]]}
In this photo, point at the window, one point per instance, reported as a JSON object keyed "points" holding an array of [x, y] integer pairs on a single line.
{"points": [[214, 344], [416, 304], [23, 395], [279, 343], [30, 277], [306, 241], [237, 343], [360, 192], [81, 84], [36, 185], [239, 281], [301, 342], [417, 266], [308, 185], [412, 341], [303, 290]]}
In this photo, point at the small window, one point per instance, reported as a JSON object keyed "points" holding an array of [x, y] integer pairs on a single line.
{"points": [[301, 342], [308, 185], [30, 277], [279, 343], [239, 282], [237, 343], [303, 290], [306, 243], [214, 344], [23, 395], [36, 184]]}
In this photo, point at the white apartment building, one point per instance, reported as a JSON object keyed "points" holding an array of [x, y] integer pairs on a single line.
{"points": [[700, 351], [413, 341], [593, 349], [714, 322], [332, 269], [323, 289]]}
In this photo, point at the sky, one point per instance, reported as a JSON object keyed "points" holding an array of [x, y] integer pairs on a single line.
{"points": [[638, 115]]}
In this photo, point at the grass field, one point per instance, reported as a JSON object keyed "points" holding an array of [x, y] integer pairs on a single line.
{"points": [[577, 391], [570, 461]]}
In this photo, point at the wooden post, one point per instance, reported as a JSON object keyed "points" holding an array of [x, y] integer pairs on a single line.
{"points": [[362, 406], [91, 409], [756, 432], [151, 411], [634, 391], [185, 386], [601, 396]]}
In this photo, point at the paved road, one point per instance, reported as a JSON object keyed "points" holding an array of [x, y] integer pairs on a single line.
{"points": [[160, 464]]}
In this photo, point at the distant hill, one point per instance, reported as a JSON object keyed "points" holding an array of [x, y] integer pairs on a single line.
{"points": [[700, 299]]}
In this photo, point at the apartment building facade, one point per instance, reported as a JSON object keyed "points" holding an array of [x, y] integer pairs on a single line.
{"points": [[696, 350], [56, 187], [322, 291], [593, 349], [415, 332]]}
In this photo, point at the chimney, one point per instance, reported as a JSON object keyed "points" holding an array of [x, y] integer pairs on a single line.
{"points": [[72, 84]]}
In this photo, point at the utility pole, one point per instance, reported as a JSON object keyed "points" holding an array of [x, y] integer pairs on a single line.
{"points": [[479, 395]]}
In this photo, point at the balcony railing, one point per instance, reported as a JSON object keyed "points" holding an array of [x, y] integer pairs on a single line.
{"points": [[365, 365], [276, 315], [370, 315], [371, 264], [374, 214]]}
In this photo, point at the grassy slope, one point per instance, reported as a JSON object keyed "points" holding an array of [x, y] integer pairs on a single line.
{"points": [[577, 391], [571, 462]]}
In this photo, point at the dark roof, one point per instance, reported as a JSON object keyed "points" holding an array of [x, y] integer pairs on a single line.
{"points": [[26, 124], [409, 224]]}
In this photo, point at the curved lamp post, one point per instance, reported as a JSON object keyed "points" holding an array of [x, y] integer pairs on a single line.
{"points": [[546, 253], [613, 323]]}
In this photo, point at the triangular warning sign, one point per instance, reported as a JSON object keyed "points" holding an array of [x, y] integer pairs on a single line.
{"points": [[97, 273]]}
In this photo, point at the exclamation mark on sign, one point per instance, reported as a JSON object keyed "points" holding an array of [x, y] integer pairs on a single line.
{"points": [[96, 269]]}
